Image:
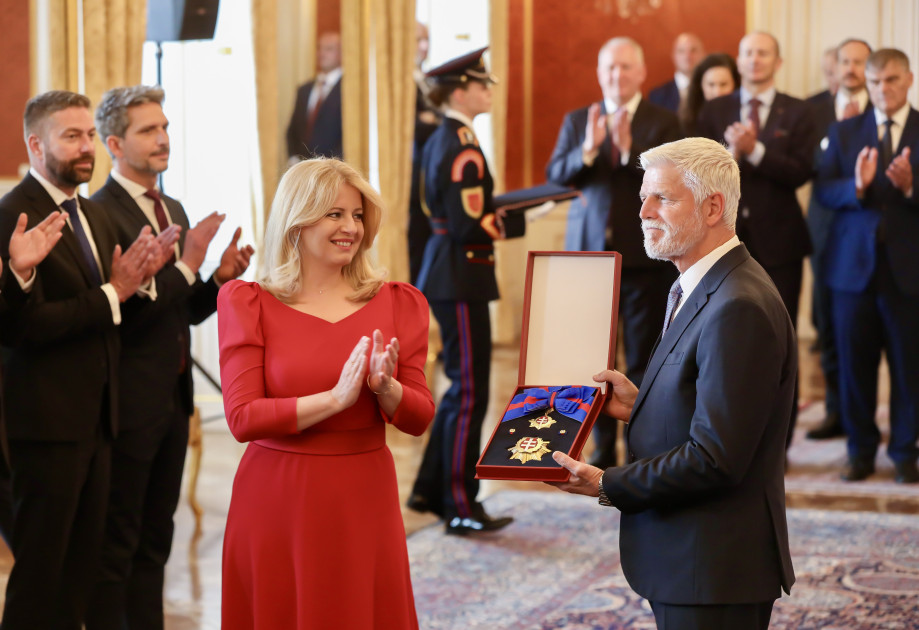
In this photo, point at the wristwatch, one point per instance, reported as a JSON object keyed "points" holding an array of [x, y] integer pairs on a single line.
{"points": [[604, 500]]}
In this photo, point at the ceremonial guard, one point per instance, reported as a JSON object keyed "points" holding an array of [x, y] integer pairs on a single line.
{"points": [[457, 277]]}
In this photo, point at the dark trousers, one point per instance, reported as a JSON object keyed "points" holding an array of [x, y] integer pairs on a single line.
{"points": [[60, 491], [642, 307], [787, 279], [446, 478], [822, 310], [714, 617], [147, 464], [867, 322]]}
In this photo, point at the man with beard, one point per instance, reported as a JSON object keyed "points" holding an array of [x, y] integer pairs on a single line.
{"points": [[61, 367], [703, 534], [595, 153], [155, 387], [850, 99]]}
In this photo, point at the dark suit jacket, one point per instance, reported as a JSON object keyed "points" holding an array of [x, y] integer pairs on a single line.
{"points": [[61, 361], [419, 226], [155, 337], [850, 255], [666, 95], [326, 137], [608, 187], [702, 495], [770, 221]]}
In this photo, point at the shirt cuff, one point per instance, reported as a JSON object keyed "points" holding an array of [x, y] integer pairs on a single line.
{"points": [[187, 272], [589, 157], [148, 290], [112, 296], [25, 285], [756, 155]]}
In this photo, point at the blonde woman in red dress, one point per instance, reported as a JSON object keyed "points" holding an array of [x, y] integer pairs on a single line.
{"points": [[316, 358]]}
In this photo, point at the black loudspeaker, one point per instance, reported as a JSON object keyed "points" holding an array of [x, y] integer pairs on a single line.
{"points": [[180, 20]]}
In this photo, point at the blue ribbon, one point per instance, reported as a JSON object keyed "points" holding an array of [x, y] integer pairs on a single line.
{"points": [[573, 402]]}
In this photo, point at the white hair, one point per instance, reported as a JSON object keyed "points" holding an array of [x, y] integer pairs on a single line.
{"points": [[623, 41], [706, 168]]}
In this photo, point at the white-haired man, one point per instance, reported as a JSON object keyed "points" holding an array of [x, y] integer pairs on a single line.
{"points": [[596, 153], [703, 532]]}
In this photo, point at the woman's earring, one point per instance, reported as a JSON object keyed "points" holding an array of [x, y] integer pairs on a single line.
{"points": [[297, 240]]}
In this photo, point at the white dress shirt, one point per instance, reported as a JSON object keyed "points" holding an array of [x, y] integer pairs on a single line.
{"points": [[691, 278], [59, 196]]}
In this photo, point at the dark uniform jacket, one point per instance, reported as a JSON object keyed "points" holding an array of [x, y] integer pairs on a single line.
{"points": [[459, 259]]}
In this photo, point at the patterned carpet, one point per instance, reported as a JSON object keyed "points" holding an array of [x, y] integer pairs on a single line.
{"points": [[557, 566]]}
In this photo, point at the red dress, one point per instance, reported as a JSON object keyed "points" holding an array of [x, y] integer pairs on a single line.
{"points": [[314, 535]]}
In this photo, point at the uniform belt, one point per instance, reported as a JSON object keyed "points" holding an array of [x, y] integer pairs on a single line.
{"points": [[480, 254]]}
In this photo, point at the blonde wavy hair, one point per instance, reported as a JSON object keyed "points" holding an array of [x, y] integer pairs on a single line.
{"points": [[305, 194]]}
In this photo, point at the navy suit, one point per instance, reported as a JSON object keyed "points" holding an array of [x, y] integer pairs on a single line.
{"points": [[702, 494], [666, 95], [819, 223], [606, 216], [325, 139], [148, 456], [458, 279], [871, 267], [60, 398]]}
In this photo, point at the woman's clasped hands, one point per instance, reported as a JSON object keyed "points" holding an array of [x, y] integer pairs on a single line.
{"points": [[382, 361]]}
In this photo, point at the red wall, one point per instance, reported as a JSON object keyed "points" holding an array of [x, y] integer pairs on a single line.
{"points": [[328, 16], [14, 83], [566, 38]]}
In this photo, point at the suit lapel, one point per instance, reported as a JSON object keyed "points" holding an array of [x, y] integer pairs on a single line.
{"points": [[127, 203], [103, 247], [688, 312], [910, 136], [734, 113], [776, 113], [42, 206]]}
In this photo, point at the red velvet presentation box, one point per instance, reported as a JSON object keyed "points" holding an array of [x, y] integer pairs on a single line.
{"points": [[569, 334]]}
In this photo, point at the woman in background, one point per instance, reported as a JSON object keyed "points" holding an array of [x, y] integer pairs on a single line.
{"points": [[314, 535], [715, 76]]}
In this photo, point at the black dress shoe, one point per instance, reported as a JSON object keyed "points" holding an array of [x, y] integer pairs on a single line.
{"points": [[906, 472], [831, 427], [459, 526], [419, 503], [858, 469]]}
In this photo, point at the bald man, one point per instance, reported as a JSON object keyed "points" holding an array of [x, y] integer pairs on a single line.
{"points": [[688, 51], [772, 137]]}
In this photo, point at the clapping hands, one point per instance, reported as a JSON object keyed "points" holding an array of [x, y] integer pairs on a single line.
{"points": [[383, 360]]}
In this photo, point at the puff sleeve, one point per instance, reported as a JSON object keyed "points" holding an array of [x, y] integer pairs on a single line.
{"points": [[411, 316], [250, 414]]}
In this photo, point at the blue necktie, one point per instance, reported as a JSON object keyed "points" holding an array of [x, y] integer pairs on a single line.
{"points": [[673, 298], [70, 207]]}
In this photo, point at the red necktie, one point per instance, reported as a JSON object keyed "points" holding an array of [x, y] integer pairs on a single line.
{"points": [[160, 212], [614, 156], [314, 111], [754, 115]]}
